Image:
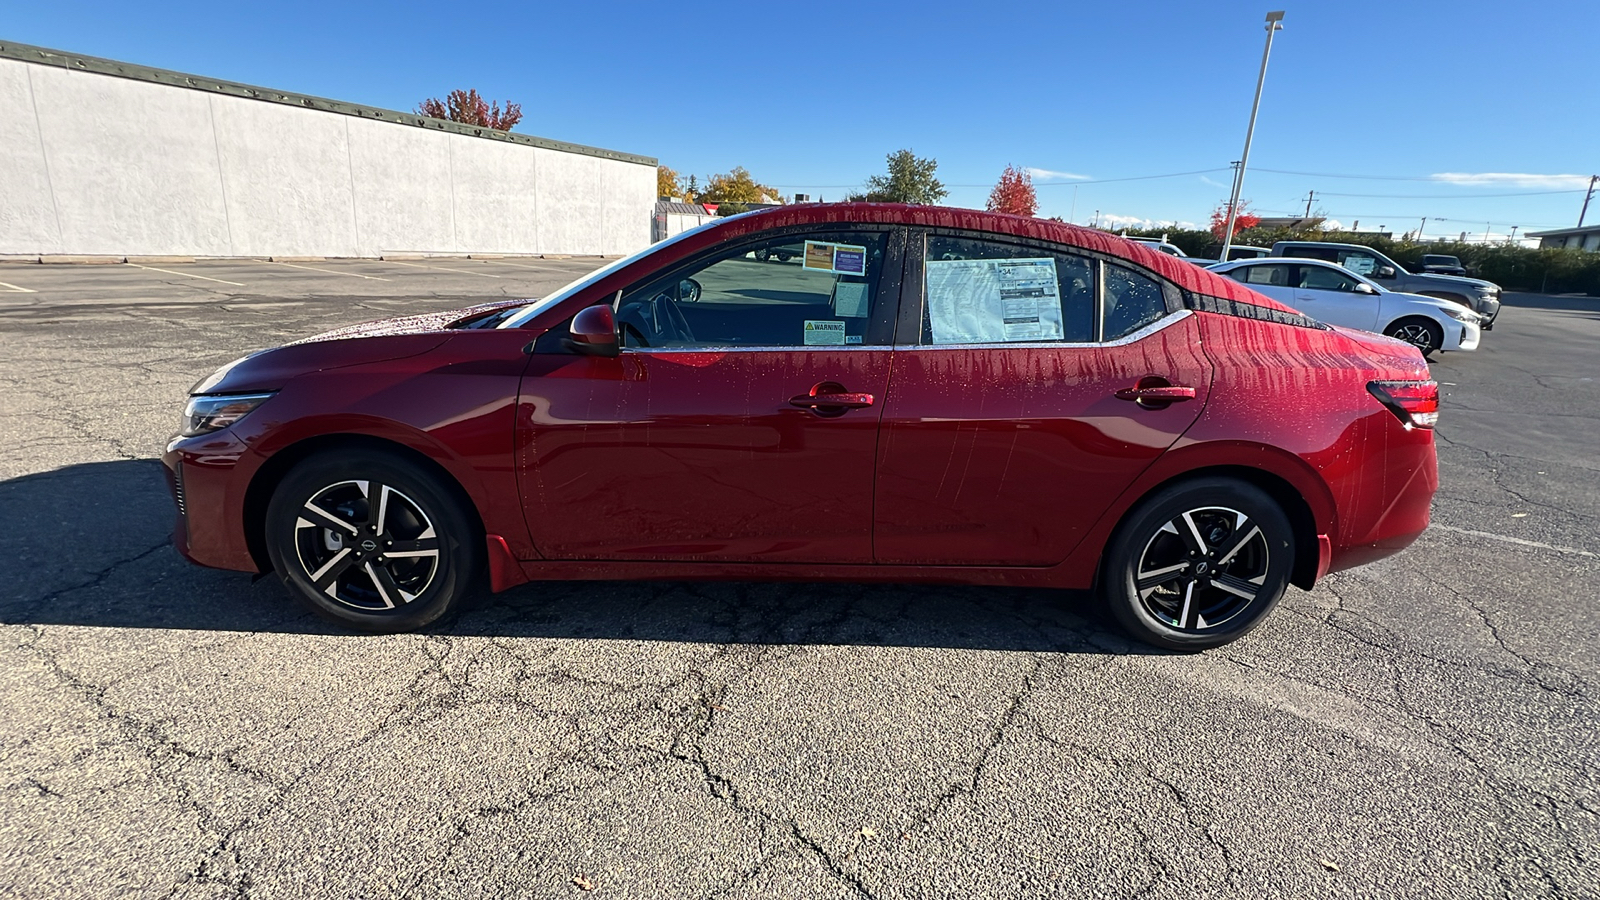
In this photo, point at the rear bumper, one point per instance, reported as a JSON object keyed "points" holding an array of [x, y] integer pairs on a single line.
{"points": [[1397, 508]]}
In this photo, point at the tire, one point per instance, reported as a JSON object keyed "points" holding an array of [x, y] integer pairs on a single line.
{"points": [[388, 548], [763, 254], [1182, 603], [1424, 334]]}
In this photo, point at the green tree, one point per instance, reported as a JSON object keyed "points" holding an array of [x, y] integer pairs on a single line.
{"points": [[737, 187], [910, 180]]}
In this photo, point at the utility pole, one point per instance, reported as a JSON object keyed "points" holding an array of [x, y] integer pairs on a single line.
{"points": [[1421, 227], [1583, 212], [1513, 234], [1274, 24], [1309, 197]]}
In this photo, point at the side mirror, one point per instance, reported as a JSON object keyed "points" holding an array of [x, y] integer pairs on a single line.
{"points": [[1385, 272], [594, 333], [689, 290], [1364, 288]]}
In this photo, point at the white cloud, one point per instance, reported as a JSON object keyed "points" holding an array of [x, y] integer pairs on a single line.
{"points": [[1114, 222], [1048, 175], [1213, 182], [1332, 225], [1514, 179]]}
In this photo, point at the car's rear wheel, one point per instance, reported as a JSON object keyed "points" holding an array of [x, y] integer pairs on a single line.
{"points": [[1424, 334], [1199, 564], [371, 540]]}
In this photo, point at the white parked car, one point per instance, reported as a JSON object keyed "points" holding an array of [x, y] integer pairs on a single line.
{"points": [[1331, 293]]}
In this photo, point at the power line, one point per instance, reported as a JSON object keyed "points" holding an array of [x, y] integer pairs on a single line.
{"points": [[1455, 197]]}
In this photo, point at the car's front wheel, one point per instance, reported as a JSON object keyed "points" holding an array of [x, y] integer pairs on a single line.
{"points": [[371, 540], [1198, 564], [1424, 334]]}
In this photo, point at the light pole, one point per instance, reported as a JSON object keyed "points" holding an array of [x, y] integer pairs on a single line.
{"points": [[1274, 23]]}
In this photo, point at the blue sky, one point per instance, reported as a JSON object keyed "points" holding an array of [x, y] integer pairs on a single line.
{"points": [[1438, 107]]}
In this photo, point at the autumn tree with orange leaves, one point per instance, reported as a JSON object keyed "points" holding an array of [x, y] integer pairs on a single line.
{"points": [[468, 108], [1244, 220], [1014, 193]]}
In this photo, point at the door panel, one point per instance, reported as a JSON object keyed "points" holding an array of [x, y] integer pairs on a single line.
{"points": [[996, 455], [689, 455]]}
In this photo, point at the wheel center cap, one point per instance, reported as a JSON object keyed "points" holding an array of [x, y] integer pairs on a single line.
{"points": [[369, 545], [1199, 567]]}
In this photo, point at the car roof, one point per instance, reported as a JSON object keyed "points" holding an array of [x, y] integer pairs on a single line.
{"points": [[1326, 244], [1181, 272]]}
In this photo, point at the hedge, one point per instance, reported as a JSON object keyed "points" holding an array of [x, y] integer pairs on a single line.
{"points": [[1515, 268]]}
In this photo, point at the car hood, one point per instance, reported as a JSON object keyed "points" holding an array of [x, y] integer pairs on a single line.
{"points": [[418, 324], [1457, 280], [353, 345]]}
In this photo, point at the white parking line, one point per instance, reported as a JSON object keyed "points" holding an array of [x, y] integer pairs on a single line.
{"points": [[1514, 540], [396, 262], [329, 271], [16, 290], [184, 274], [501, 262]]}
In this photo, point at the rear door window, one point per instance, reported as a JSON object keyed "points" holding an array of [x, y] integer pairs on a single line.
{"points": [[1275, 275], [980, 292]]}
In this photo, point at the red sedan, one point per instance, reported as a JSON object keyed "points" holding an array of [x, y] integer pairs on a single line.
{"points": [[860, 392]]}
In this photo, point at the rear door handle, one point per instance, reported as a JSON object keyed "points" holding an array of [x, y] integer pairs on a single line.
{"points": [[1171, 393], [832, 396], [1157, 396]]}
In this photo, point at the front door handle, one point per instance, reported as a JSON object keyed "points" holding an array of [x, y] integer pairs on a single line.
{"points": [[831, 397]]}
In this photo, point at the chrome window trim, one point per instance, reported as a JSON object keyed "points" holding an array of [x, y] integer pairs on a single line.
{"points": [[765, 348], [1166, 321]]}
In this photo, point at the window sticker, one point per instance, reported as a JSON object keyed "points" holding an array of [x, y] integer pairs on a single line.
{"points": [[841, 259], [1361, 265], [822, 332], [850, 300], [977, 301]]}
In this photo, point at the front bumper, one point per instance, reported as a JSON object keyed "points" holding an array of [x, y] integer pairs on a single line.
{"points": [[208, 500], [1488, 308], [1466, 336]]}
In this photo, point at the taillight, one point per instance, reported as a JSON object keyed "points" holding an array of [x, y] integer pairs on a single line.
{"points": [[1414, 403]]}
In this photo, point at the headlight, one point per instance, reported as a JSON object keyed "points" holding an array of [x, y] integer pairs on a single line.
{"points": [[205, 414], [1460, 314]]}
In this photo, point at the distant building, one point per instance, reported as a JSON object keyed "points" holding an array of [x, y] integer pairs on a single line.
{"points": [[1295, 222], [675, 217], [1585, 238]]}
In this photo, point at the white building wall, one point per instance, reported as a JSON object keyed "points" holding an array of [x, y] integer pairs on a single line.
{"points": [[99, 164]]}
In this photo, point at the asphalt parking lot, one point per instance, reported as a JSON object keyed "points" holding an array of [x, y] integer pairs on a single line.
{"points": [[1422, 727]]}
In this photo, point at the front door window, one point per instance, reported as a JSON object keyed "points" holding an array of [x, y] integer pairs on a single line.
{"points": [[811, 290]]}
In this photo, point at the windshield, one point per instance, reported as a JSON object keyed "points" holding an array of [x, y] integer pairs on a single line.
{"points": [[528, 313]]}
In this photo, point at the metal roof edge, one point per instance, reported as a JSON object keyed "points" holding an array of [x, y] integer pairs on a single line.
{"points": [[1558, 232], [76, 61]]}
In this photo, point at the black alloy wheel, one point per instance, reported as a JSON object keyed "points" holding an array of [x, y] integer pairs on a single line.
{"points": [[1420, 333], [1199, 564], [371, 540]]}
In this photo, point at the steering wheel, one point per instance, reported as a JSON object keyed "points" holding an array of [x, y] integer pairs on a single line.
{"points": [[655, 322]]}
